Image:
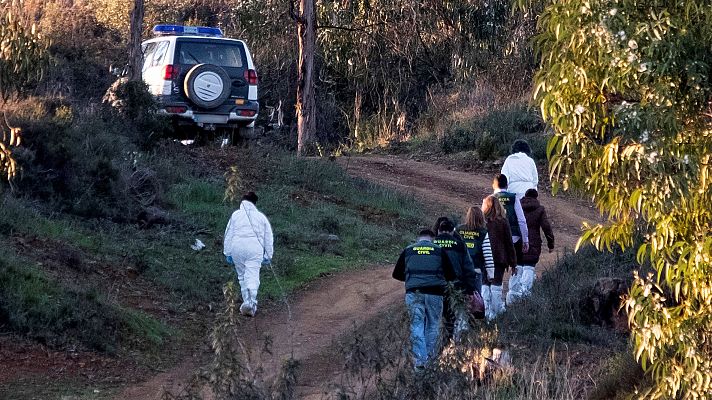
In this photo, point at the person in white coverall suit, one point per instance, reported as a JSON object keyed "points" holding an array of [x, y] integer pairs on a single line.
{"points": [[248, 245], [521, 173], [520, 169]]}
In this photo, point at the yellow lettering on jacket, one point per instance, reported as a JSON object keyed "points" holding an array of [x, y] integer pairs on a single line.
{"points": [[470, 235], [445, 242], [423, 250]]}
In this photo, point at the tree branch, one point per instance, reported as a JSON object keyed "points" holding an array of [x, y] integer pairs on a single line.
{"points": [[293, 13], [350, 29]]}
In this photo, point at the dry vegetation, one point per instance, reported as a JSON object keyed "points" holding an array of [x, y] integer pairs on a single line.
{"points": [[98, 221]]}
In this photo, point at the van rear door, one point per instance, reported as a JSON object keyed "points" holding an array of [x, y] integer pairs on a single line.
{"points": [[224, 53]]}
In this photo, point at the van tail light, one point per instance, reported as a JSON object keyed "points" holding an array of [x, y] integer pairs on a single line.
{"points": [[176, 109], [251, 76], [170, 72], [246, 113]]}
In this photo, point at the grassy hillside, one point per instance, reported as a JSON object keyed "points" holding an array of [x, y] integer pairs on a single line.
{"points": [[554, 352], [130, 289]]}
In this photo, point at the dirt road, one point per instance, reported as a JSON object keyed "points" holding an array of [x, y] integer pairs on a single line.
{"points": [[440, 186], [331, 307]]}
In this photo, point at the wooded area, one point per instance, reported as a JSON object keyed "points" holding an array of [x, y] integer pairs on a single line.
{"points": [[622, 89]]}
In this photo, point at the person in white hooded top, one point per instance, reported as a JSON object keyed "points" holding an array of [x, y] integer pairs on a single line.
{"points": [[520, 169], [248, 245]]}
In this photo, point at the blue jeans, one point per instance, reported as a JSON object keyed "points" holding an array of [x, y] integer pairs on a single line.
{"points": [[425, 311]]}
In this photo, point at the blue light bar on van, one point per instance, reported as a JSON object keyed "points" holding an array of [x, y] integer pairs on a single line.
{"points": [[168, 30]]}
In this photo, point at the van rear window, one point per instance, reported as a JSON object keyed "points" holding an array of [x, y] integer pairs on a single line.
{"points": [[220, 54]]}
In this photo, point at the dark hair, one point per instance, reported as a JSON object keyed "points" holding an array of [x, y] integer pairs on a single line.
{"points": [[446, 226], [426, 232], [501, 181], [251, 197], [440, 220], [531, 193], [521, 146]]}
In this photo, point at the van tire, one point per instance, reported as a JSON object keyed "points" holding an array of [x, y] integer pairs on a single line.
{"points": [[207, 86]]}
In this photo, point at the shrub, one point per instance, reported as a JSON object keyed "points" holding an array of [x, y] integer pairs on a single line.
{"points": [[492, 134], [640, 149], [83, 159]]}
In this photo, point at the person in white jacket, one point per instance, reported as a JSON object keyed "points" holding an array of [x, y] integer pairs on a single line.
{"points": [[520, 169], [248, 245]]}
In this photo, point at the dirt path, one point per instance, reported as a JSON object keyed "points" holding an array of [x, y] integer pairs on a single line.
{"points": [[333, 306], [436, 184], [321, 313]]}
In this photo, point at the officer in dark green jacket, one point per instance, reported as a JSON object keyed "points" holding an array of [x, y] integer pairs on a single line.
{"points": [[464, 267], [426, 269]]}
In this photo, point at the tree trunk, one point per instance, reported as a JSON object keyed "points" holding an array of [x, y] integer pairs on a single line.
{"points": [[136, 28], [306, 123]]}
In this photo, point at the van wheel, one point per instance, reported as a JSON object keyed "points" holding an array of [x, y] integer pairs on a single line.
{"points": [[207, 85]]}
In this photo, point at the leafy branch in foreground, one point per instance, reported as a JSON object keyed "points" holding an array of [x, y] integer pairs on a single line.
{"points": [[23, 60], [626, 85]]}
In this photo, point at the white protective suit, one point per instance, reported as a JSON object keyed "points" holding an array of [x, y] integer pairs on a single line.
{"points": [[521, 174], [249, 241], [520, 284]]}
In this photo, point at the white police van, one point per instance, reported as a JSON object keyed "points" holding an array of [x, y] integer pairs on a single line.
{"points": [[201, 78]]}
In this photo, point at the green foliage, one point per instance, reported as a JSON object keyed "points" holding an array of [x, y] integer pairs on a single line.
{"points": [[137, 104], [492, 135], [33, 304], [23, 52], [87, 161], [37, 307], [626, 87]]}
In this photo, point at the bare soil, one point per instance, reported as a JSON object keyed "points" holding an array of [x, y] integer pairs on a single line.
{"points": [[441, 186], [335, 306]]}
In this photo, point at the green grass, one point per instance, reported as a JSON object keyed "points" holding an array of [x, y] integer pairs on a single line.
{"points": [[62, 389], [145, 327], [45, 310], [303, 198]]}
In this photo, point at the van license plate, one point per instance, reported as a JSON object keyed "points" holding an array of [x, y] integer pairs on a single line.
{"points": [[210, 119]]}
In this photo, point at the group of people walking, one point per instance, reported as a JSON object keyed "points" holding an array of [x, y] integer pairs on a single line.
{"points": [[449, 267]]}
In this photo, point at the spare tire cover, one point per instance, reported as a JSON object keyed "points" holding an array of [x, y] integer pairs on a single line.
{"points": [[207, 85]]}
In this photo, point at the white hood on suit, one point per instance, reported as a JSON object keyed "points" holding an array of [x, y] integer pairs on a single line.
{"points": [[248, 229], [249, 241], [521, 173]]}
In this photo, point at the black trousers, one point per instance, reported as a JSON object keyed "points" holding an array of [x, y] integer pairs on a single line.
{"points": [[499, 269], [518, 251]]}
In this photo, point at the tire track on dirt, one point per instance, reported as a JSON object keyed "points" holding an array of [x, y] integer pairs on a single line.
{"points": [[323, 311], [330, 308]]}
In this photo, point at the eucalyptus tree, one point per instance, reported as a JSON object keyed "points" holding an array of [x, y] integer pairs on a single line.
{"points": [[23, 59], [626, 86]]}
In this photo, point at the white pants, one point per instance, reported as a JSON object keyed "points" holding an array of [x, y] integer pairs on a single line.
{"points": [[520, 284], [248, 261], [494, 304]]}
